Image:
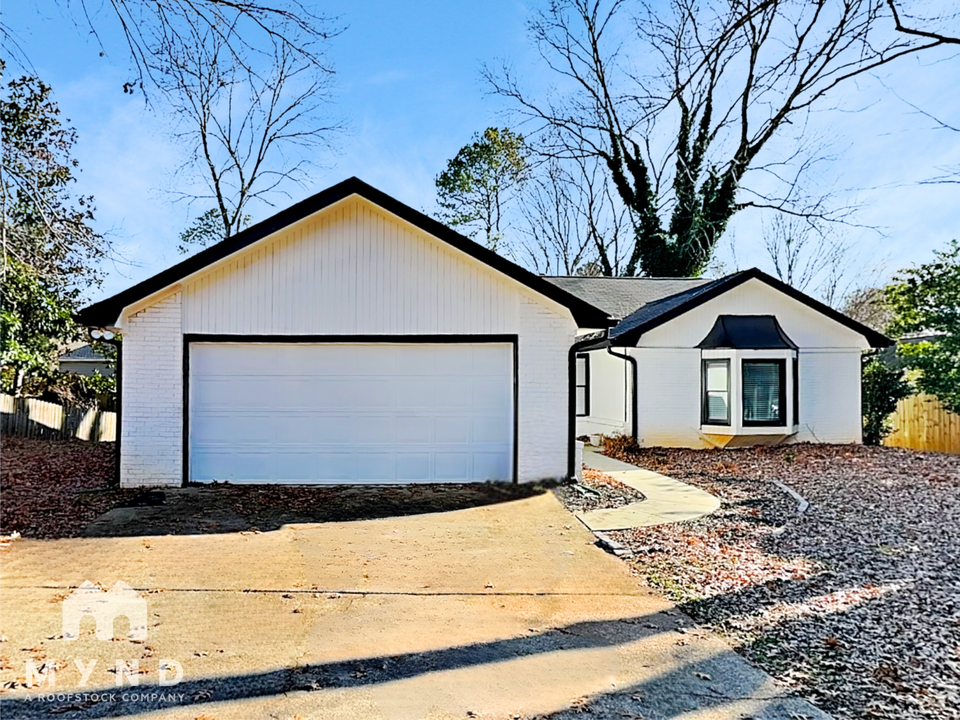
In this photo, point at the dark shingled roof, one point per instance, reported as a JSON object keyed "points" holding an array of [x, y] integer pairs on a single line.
{"points": [[757, 332], [620, 296], [84, 352], [106, 312], [656, 313]]}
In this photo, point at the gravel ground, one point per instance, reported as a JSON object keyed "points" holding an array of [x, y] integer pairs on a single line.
{"points": [[855, 603], [597, 490]]}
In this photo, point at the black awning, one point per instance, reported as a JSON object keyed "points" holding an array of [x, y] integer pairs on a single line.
{"points": [[747, 332]]}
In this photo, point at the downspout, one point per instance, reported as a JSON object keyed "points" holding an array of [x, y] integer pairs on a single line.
{"points": [[635, 397], [585, 342]]}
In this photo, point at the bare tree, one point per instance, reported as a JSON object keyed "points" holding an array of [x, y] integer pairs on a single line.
{"points": [[150, 27], [571, 212], [240, 119], [688, 144]]}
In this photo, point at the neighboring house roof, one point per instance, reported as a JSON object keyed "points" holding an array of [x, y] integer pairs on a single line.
{"points": [[106, 312], [84, 353], [620, 296], [656, 313], [756, 332]]}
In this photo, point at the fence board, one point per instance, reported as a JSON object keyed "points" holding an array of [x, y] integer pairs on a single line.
{"points": [[922, 423], [29, 417]]}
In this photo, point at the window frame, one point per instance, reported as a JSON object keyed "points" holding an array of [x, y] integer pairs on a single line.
{"points": [[796, 388], [781, 420], [705, 418], [586, 385]]}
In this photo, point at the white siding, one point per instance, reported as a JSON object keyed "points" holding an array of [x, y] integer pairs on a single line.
{"points": [[354, 269], [669, 371], [805, 326], [152, 395], [610, 396], [830, 397]]}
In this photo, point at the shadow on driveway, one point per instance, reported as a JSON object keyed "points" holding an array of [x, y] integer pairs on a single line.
{"points": [[224, 508]]}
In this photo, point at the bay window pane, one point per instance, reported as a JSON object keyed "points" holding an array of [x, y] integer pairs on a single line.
{"points": [[716, 392], [763, 392]]}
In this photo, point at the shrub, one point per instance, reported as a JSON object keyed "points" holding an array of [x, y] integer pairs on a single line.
{"points": [[883, 388]]}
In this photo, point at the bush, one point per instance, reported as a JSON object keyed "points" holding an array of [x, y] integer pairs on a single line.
{"points": [[617, 444], [883, 388]]}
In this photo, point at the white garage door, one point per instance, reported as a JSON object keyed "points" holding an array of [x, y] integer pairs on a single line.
{"points": [[350, 413]]}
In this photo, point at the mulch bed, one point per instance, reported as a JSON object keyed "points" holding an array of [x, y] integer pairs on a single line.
{"points": [[597, 491], [854, 604]]}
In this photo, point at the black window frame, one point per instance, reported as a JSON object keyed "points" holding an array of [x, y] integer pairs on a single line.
{"points": [[796, 389], [781, 420], [704, 404], [586, 384]]}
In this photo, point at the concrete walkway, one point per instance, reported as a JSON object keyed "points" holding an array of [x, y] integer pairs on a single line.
{"points": [[667, 500]]}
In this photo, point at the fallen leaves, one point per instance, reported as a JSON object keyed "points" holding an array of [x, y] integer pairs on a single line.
{"points": [[855, 603]]}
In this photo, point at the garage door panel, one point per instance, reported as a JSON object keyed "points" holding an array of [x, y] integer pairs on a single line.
{"points": [[333, 413]]}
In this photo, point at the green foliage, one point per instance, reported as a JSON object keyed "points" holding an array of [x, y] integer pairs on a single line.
{"points": [[883, 387], [206, 229], [480, 182], [50, 251], [926, 299]]}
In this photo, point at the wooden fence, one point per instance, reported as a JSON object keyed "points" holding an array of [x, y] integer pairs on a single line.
{"points": [[29, 417], [922, 423]]}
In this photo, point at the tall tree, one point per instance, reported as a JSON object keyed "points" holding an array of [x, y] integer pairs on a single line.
{"points": [[685, 141], [926, 300], [481, 181], [240, 117], [50, 251]]}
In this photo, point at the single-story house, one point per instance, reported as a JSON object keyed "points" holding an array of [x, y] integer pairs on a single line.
{"points": [[353, 339], [741, 360], [84, 360], [346, 339]]}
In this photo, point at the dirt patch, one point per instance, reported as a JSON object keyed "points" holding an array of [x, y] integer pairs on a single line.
{"points": [[53, 489], [597, 491], [855, 603], [225, 508]]}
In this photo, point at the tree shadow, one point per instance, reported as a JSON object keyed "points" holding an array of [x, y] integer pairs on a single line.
{"points": [[705, 681]]}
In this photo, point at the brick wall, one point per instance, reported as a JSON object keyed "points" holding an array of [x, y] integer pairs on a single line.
{"points": [[152, 418], [545, 339]]}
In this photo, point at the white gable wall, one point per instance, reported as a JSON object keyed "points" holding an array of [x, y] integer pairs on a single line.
{"points": [[352, 269], [829, 357]]}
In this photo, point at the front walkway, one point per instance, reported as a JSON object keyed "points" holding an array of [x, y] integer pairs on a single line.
{"points": [[667, 500]]}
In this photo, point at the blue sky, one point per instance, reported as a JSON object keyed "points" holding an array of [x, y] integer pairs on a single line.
{"points": [[409, 90]]}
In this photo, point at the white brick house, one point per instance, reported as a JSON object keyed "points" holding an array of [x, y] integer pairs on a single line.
{"points": [[348, 338]]}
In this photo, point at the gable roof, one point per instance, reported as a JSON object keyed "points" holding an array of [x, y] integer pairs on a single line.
{"points": [[106, 312], [84, 353], [656, 313], [620, 296]]}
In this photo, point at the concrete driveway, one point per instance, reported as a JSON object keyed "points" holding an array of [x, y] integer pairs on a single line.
{"points": [[502, 611]]}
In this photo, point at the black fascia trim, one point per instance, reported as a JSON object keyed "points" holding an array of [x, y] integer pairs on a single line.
{"points": [[780, 422], [107, 311], [586, 387], [191, 338], [630, 337]]}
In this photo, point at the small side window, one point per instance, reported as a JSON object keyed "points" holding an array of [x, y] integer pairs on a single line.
{"points": [[583, 385], [716, 392]]}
